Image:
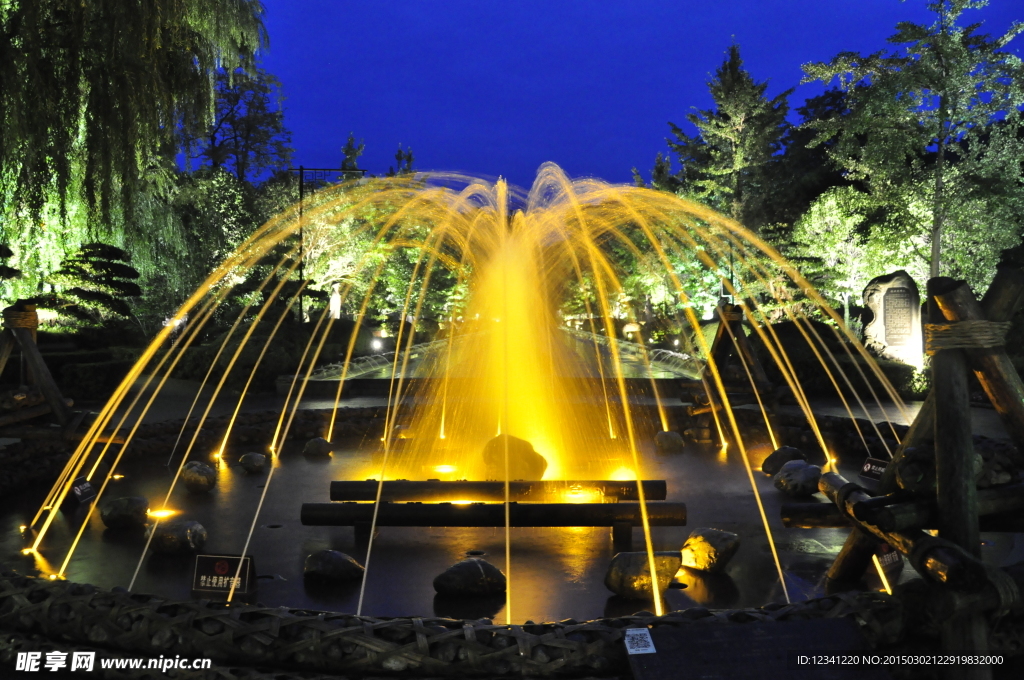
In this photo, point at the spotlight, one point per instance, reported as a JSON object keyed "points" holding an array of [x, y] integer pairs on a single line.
{"points": [[161, 514], [377, 345]]}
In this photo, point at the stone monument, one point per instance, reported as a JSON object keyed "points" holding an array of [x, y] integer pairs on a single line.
{"points": [[892, 329]]}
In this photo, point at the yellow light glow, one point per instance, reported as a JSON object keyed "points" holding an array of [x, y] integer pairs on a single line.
{"points": [[444, 469], [23, 527], [160, 514], [881, 574], [579, 494], [461, 502], [623, 474], [53, 577], [27, 551], [117, 476]]}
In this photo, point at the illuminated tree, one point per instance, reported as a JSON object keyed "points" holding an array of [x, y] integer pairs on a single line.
{"points": [[922, 119], [92, 94]]}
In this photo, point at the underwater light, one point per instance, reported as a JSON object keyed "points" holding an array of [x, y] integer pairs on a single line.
{"points": [[27, 551], [23, 527], [117, 476], [376, 344], [461, 502], [160, 514], [623, 474], [444, 469]]}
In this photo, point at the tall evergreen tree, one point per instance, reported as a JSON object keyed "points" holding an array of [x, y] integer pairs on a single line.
{"points": [[350, 154], [726, 163], [918, 116]]}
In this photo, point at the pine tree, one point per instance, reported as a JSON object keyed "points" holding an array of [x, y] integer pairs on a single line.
{"points": [[726, 162]]}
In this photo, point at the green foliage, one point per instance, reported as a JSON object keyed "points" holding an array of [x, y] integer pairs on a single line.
{"points": [[92, 93], [919, 117], [726, 164], [247, 135], [92, 283]]}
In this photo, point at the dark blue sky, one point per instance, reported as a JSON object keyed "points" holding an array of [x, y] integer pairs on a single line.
{"points": [[496, 88]]}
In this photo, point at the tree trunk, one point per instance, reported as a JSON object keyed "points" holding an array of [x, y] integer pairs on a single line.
{"points": [[938, 203]]}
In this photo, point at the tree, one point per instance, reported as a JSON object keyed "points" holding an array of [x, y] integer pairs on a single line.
{"points": [[917, 113], [726, 163], [93, 282], [92, 94], [248, 135], [350, 158], [404, 159]]}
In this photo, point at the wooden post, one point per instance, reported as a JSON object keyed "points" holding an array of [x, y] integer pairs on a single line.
{"points": [[1002, 300], [991, 365], [956, 491]]}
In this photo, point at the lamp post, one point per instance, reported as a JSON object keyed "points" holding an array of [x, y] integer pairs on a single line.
{"points": [[316, 177]]}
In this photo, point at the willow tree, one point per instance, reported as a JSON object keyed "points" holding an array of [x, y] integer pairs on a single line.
{"points": [[94, 94], [922, 118]]}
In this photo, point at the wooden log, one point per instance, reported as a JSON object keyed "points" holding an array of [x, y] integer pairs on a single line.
{"points": [[933, 557], [568, 491], [1002, 300], [854, 558], [29, 413], [41, 374], [998, 508], [992, 366], [7, 343], [956, 492]]}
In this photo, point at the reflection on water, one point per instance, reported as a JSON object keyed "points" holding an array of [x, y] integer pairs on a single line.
{"points": [[716, 591], [487, 607]]}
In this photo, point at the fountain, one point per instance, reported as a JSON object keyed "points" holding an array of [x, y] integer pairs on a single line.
{"points": [[514, 406]]}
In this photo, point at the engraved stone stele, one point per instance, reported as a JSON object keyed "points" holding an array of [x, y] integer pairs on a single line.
{"points": [[893, 327]]}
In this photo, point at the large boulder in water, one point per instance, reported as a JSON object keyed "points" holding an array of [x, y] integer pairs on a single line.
{"points": [[709, 549], [669, 442], [779, 457], [177, 536], [471, 577], [523, 462], [798, 479], [198, 477], [125, 513], [331, 565], [629, 574], [253, 463], [318, 447]]}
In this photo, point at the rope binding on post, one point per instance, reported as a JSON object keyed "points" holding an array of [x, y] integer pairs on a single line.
{"points": [[964, 335]]}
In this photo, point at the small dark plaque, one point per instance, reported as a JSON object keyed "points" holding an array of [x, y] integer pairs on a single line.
{"points": [[214, 573], [83, 490], [873, 468], [757, 651]]}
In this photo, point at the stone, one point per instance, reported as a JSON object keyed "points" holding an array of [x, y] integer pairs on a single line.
{"points": [[318, 447], [892, 328], [198, 477], [523, 462], [253, 463], [125, 513], [916, 471], [629, 573], [178, 536], [331, 565], [471, 577], [798, 479], [709, 549], [669, 442], [779, 457]]}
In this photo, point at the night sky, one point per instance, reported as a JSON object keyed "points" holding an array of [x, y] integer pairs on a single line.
{"points": [[494, 88]]}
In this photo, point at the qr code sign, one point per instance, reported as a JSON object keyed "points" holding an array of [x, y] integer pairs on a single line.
{"points": [[638, 641]]}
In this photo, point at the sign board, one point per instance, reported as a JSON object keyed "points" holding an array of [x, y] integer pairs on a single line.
{"points": [[873, 468], [214, 574], [83, 490], [785, 650], [638, 641]]}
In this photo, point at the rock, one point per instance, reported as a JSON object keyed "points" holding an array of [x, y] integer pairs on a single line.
{"points": [[125, 513], [523, 462], [254, 463], [331, 565], [669, 442], [177, 536], [629, 573], [709, 549], [471, 577], [798, 479], [317, 447], [915, 472], [198, 477], [779, 457]]}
